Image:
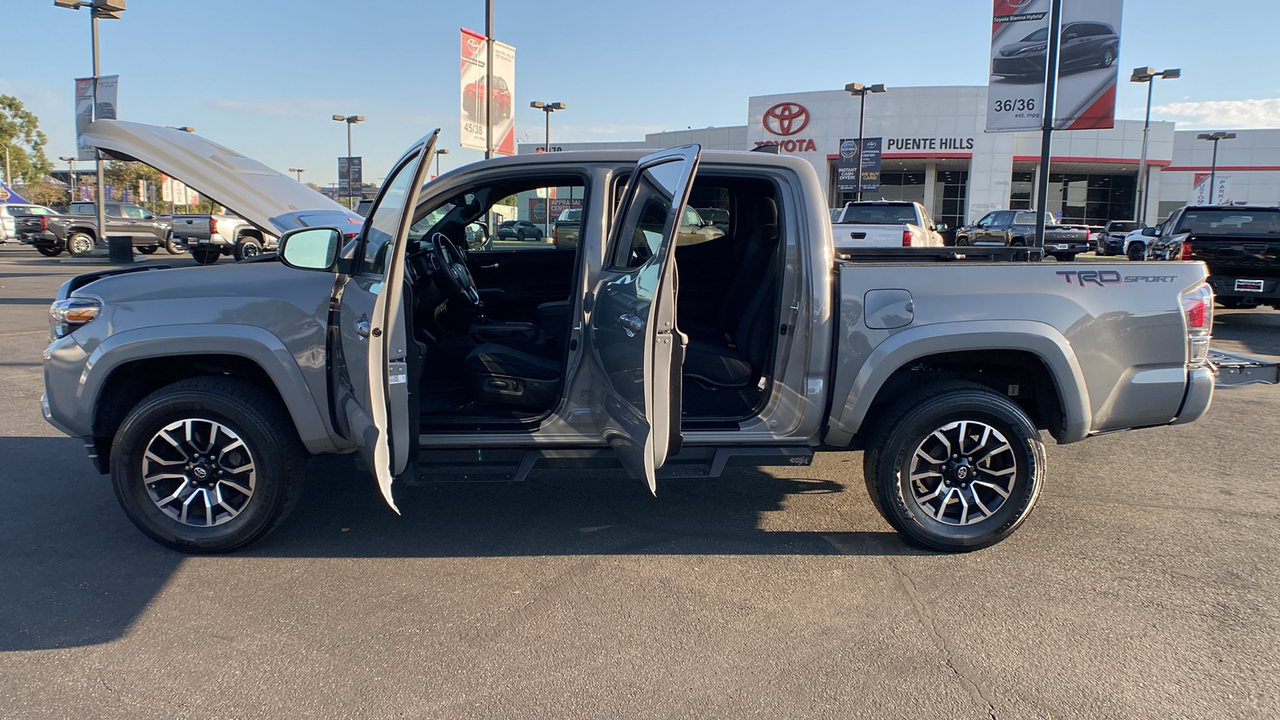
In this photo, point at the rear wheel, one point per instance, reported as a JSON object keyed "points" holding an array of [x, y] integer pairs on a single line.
{"points": [[174, 246], [147, 249], [955, 467], [248, 247], [207, 465], [1064, 257], [49, 250], [1137, 251], [206, 256], [80, 244]]}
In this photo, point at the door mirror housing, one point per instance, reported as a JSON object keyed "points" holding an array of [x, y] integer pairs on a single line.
{"points": [[941, 227], [311, 248], [1149, 231]]}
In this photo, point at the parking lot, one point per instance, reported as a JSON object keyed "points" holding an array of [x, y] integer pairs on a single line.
{"points": [[1145, 585]]}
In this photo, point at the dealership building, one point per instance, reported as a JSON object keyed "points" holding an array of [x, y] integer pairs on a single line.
{"points": [[935, 151]]}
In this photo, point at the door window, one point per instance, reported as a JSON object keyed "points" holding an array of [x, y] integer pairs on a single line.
{"points": [[385, 222], [646, 218]]}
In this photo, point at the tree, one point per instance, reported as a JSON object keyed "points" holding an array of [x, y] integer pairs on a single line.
{"points": [[20, 135], [45, 193]]}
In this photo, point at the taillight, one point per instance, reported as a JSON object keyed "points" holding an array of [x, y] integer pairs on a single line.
{"points": [[213, 226], [906, 237], [44, 223], [1186, 249], [555, 232], [1197, 308]]}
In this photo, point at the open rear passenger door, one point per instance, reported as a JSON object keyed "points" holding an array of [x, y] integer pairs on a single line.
{"points": [[632, 328]]}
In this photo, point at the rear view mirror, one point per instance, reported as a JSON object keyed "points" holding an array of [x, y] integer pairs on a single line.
{"points": [[311, 248]]}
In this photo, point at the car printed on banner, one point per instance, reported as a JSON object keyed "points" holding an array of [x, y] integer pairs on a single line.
{"points": [[1084, 45], [473, 99]]}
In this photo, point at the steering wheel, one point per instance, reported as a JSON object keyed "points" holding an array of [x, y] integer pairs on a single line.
{"points": [[452, 273]]}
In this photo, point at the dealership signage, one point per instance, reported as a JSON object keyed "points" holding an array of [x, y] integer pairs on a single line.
{"points": [[928, 144], [485, 109], [784, 120], [1086, 73], [355, 166], [108, 88], [1200, 194]]}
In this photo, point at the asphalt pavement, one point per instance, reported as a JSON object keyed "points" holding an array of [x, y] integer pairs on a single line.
{"points": [[1145, 585]]}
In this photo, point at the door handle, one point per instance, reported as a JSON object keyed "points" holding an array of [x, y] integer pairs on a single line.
{"points": [[631, 324], [489, 267], [362, 328]]}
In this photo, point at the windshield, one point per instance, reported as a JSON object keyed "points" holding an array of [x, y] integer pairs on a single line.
{"points": [[1231, 222], [1122, 226], [879, 214]]}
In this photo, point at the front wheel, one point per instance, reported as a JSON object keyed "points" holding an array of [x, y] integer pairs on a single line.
{"points": [[1137, 251], [80, 244], [962, 241], [207, 465], [147, 249], [49, 250], [174, 246], [956, 467]]}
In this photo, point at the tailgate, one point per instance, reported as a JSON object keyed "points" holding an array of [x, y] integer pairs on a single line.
{"points": [[1254, 257], [852, 235]]}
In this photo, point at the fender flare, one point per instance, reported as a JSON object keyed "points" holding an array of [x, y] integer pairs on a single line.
{"points": [[851, 400], [193, 341]]}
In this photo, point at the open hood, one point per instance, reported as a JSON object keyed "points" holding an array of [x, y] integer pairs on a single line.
{"points": [[270, 200]]}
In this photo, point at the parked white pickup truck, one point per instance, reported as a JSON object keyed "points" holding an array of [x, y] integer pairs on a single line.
{"points": [[884, 223]]}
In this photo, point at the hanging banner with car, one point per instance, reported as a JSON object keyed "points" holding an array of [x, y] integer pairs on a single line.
{"points": [[501, 97], [108, 88], [1019, 48], [1086, 98]]}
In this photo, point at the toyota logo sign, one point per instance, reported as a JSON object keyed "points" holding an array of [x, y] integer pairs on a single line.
{"points": [[786, 118]]}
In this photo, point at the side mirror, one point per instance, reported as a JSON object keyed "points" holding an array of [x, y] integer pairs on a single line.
{"points": [[311, 248], [1149, 231], [941, 227]]}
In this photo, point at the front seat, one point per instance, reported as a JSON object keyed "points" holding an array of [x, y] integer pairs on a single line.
{"points": [[521, 373]]}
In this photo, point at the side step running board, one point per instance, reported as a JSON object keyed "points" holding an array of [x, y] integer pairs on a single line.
{"points": [[1243, 370], [501, 465]]}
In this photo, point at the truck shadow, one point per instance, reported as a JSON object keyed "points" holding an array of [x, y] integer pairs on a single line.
{"points": [[75, 571]]}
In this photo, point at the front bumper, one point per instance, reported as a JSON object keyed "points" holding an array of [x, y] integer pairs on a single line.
{"points": [[62, 404]]}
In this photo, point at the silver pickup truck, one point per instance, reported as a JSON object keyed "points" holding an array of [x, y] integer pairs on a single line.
{"points": [[397, 344]]}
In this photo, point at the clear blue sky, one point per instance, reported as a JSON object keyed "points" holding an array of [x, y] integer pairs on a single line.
{"points": [[264, 77]]}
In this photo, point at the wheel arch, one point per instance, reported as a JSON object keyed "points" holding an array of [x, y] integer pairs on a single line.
{"points": [[131, 365], [994, 353]]}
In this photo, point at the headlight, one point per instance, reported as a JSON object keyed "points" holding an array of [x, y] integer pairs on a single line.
{"points": [[67, 315]]}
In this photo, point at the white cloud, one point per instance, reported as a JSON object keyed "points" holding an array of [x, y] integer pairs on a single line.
{"points": [[1259, 113]]}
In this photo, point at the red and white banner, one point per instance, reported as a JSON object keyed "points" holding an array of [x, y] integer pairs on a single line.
{"points": [[1201, 195], [483, 106], [1087, 53]]}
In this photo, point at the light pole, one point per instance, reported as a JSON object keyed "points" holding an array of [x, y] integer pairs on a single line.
{"points": [[110, 10], [1214, 137], [349, 120], [547, 108], [861, 91], [442, 151], [1147, 75], [71, 166], [300, 171]]}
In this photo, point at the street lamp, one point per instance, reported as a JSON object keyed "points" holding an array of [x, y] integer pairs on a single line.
{"points": [[443, 151], [349, 120], [1147, 75], [108, 10], [861, 91], [299, 171], [547, 108], [71, 166], [1214, 137]]}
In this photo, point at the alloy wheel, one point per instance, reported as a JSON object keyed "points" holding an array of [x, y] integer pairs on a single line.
{"points": [[963, 473], [199, 472]]}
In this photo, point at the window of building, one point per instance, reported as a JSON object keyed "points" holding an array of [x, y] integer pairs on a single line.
{"points": [[1022, 190], [949, 197]]}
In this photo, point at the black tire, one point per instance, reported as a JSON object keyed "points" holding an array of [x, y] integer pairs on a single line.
{"points": [[248, 247], [206, 256], [80, 244], [1108, 57], [962, 241], [1018, 242], [247, 417], [1137, 251], [913, 425], [1064, 257], [174, 246], [49, 250], [147, 249]]}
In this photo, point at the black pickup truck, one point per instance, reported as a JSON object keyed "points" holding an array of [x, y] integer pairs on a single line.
{"points": [[1239, 243], [77, 231], [1017, 228]]}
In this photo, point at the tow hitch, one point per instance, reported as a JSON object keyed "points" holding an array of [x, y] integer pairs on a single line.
{"points": [[1235, 369]]}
